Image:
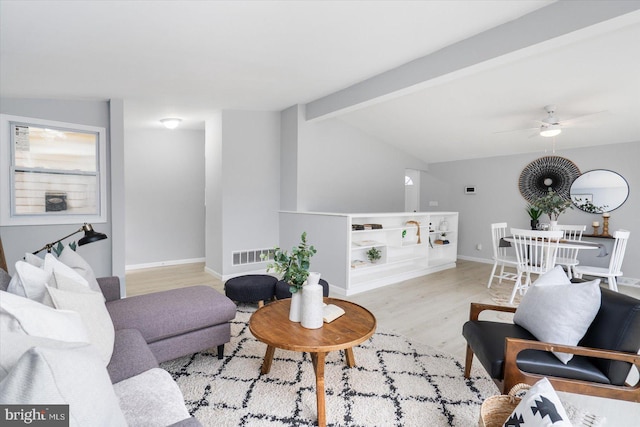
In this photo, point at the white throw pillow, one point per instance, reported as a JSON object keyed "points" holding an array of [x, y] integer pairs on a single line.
{"points": [[52, 265], [559, 314], [75, 377], [34, 260], [555, 276], [540, 407], [15, 344], [72, 259], [30, 282], [22, 315], [90, 306]]}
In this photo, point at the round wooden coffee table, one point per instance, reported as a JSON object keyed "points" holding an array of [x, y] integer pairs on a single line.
{"points": [[271, 325]]}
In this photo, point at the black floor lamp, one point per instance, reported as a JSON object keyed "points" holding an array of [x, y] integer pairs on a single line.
{"points": [[90, 236]]}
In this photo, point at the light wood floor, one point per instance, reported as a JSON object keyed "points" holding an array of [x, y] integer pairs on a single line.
{"points": [[430, 309]]}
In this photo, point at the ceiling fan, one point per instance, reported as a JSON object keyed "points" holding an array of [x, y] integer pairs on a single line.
{"points": [[551, 125]]}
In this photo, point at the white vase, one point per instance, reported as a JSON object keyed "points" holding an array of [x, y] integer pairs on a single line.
{"points": [[312, 305], [553, 224], [295, 312]]}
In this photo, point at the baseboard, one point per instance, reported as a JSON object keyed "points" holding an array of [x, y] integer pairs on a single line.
{"points": [[226, 277], [162, 264], [470, 258]]}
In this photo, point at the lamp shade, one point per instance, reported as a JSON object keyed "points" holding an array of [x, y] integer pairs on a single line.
{"points": [[90, 235]]}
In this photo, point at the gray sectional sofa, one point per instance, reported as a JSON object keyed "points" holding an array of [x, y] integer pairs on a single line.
{"points": [[151, 329]]}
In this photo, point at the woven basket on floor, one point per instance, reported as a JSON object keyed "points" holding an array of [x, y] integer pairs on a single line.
{"points": [[496, 409]]}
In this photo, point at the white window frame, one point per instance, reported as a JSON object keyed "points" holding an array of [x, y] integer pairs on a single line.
{"points": [[7, 185]]}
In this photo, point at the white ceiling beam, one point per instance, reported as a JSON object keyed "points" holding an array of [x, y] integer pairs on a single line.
{"points": [[558, 19]]}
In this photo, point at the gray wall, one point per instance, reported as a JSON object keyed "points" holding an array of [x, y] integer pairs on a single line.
{"points": [[243, 187], [164, 206], [213, 193], [289, 131], [20, 239], [498, 197], [342, 169]]}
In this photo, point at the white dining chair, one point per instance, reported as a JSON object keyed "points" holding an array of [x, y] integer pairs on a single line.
{"points": [[500, 257], [615, 263], [536, 254], [568, 257]]}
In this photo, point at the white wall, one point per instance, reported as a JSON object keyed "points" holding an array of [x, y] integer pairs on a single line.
{"points": [[20, 239], [342, 169], [164, 175], [498, 197]]}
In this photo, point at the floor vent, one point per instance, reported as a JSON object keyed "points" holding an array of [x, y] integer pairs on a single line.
{"points": [[252, 256]]}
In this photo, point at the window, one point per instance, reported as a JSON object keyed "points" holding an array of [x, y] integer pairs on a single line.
{"points": [[408, 180], [51, 172]]}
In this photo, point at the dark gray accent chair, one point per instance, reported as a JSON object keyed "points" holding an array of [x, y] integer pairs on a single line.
{"points": [[601, 363]]}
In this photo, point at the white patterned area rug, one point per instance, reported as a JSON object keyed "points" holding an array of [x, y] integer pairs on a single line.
{"points": [[395, 383], [501, 293]]}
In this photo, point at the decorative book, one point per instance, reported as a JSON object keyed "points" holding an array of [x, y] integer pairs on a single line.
{"points": [[331, 312]]}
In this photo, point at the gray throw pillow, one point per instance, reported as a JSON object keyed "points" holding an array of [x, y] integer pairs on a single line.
{"points": [[559, 314]]}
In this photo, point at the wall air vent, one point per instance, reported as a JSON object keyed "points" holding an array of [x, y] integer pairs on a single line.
{"points": [[251, 256]]}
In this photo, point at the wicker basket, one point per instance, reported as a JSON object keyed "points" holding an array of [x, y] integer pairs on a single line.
{"points": [[496, 409]]}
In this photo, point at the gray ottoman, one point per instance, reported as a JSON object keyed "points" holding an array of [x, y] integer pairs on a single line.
{"points": [[282, 289], [251, 288]]}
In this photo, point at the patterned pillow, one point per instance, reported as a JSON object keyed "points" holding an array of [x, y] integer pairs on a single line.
{"points": [[540, 407]]}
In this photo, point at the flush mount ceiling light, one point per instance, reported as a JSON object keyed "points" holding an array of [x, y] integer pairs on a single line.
{"points": [[171, 123]]}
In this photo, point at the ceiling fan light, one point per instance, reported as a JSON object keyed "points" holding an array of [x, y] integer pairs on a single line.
{"points": [[549, 131], [170, 123]]}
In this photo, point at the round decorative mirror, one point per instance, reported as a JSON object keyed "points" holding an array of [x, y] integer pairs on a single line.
{"points": [[599, 190]]}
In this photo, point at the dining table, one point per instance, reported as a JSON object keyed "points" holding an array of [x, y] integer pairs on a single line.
{"points": [[506, 242]]}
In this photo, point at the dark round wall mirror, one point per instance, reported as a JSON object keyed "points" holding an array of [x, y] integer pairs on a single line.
{"points": [[599, 191]]}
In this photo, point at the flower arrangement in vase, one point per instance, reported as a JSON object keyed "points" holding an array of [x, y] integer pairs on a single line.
{"points": [[552, 204], [294, 267]]}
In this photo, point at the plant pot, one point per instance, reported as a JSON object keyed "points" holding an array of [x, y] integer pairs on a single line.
{"points": [[534, 224], [553, 224]]}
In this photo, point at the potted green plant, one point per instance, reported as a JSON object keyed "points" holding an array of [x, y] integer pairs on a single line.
{"points": [[534, 214], [553, 205], [374, 254], [293, 268]]}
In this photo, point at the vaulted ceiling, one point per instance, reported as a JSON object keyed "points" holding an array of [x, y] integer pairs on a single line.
{"points": [[440, 80]]}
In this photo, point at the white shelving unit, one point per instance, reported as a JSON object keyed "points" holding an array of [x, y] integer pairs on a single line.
{"points": [[342, 250]]}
